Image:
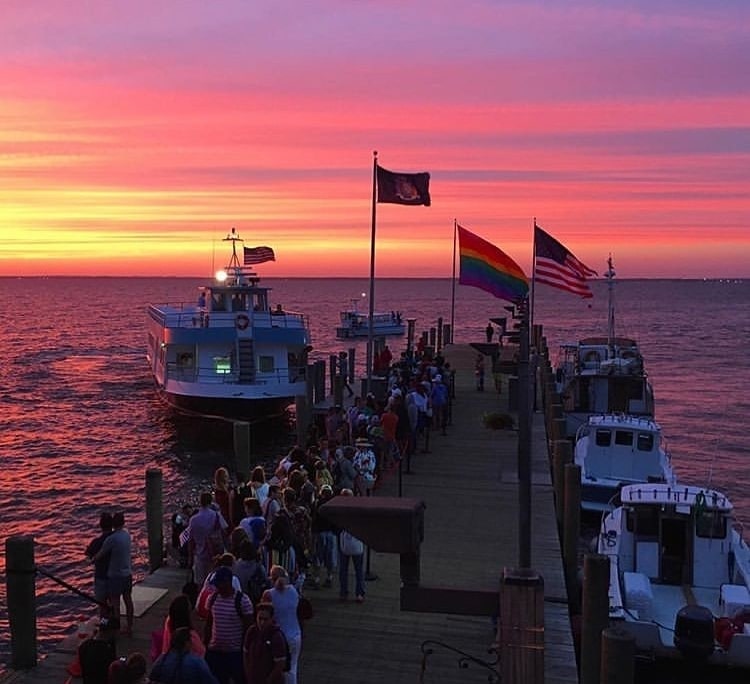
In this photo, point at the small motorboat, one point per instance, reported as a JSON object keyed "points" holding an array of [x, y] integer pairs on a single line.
{"points": [[679, 574], [602, 374], [354, 323]]}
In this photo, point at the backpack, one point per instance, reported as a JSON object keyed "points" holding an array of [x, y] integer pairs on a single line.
{"points": [[282, 532], [257, 584], [245, 620]]}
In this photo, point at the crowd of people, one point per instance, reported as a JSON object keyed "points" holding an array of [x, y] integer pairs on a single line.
{"points": [[256, 544]]}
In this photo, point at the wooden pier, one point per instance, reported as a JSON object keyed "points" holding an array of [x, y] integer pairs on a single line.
{"points": [[469, 484]]}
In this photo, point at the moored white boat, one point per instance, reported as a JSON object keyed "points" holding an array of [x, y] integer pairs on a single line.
{"points": [[231, 353], [354, 323], [602, 375], [679, 574], [615, 450]]}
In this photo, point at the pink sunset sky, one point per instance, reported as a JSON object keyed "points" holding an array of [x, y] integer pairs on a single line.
{"points": [[134, 134]]}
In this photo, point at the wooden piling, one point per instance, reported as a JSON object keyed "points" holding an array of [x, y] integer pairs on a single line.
{"points": [[338, 390], [154, 518], [350, 372], [447, 334], [241, 438], [20, 572], [571, 527], [618, 657], [594, 616], [440, 334], [562, 454], [521, 631]]}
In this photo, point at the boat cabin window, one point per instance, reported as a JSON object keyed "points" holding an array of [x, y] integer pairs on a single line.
{"points": [[710, 524], [266, 364], [645, 441], [624, 437], [222, 365], [217, 302], [603, 438], [643, 521]]}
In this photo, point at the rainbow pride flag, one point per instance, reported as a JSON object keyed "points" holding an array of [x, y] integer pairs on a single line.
{"points": [[485, 266]]}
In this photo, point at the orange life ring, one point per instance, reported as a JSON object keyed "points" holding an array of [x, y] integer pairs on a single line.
{"points": [[242, 321]]}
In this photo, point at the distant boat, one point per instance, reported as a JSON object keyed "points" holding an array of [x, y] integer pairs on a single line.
{"points": [[616, 450], [602, 375], [679, 574], [357, 324], [229, 354]]}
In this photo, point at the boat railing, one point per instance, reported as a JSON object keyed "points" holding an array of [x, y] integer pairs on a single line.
{"points": [[232, 376], [190, 316]]}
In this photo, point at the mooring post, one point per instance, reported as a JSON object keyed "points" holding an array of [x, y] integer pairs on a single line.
{"points": [[521, 629], [594, 615], [20, 571], [154, 518], [571, 527], [440, 333], [618, 657], [562, 454], [241, 436]]}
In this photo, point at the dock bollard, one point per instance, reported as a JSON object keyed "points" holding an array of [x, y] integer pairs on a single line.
{"points": [[20, 570], [154, 518], [618, 657], [594, 615]]}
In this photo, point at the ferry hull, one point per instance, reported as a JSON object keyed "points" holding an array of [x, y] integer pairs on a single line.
{"points": [[234, 408]]}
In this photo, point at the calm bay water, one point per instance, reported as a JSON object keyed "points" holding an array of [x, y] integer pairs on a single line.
{"points": [[81, 421]]}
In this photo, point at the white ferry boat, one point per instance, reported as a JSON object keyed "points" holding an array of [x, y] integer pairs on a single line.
{"points": [[357, 324], [679, 574], [602, 375], [615, 450], [229, 354]]}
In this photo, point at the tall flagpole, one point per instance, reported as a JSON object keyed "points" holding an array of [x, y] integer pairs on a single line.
{"points": [[453, 283], [370, 330], [533, 277]]}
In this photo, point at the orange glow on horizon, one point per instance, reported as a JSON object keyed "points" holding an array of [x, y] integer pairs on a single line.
{"points": [[126, 151]]}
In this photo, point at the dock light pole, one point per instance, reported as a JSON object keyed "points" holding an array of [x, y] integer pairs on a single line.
{"points": [[524, 440]]}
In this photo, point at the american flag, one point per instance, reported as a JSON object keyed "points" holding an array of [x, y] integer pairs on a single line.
{"points": [[554, 265], [258, 255]]}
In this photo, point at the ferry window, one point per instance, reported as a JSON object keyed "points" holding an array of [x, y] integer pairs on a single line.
{"points": [[266, 364], [645, 441], [222, 365], [624, 437], [710, 524], [603, 438], [644, 521], [218, 301]]}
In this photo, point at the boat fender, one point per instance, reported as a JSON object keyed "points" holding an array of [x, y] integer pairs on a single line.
{"points": [[242, 321]]}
